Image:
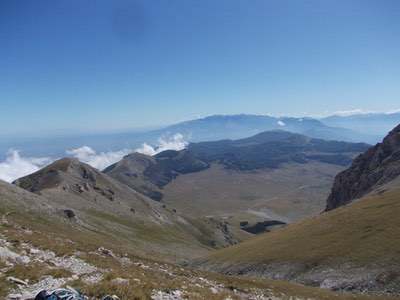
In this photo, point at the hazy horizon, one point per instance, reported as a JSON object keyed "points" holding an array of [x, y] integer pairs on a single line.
{"points": [[70, 132]]}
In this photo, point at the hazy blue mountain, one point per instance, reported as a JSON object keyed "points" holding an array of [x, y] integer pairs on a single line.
{"points": [[377, 124], [219, 127]]}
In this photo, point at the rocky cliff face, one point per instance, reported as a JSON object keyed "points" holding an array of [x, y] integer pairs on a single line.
{"points": [[378, 165]]}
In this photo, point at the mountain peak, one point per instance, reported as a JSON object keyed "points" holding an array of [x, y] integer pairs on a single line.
{"points": [[58, 173]]}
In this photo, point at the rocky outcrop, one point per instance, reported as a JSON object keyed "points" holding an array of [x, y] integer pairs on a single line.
{"points": [[378, 165]]}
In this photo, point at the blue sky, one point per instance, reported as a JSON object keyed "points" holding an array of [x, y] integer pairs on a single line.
{"points": [[86, 65]]}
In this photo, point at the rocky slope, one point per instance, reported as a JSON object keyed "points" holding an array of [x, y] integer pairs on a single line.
{"points": [[30, 261], [93, 200], [77, 185], [377, 166]]}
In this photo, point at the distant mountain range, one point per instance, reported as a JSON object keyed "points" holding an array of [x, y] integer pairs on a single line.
{"points": [[375, 124], [240, 126], [367, 128]]}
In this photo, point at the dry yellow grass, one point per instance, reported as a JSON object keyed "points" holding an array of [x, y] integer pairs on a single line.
{"points": [[368, 231], [65, 239]]}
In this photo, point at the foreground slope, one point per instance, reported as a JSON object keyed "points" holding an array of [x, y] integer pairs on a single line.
{"points": [[17, 197], [39, 250]]}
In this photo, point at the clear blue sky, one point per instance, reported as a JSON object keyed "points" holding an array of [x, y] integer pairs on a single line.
{"points": [[85, 65]]}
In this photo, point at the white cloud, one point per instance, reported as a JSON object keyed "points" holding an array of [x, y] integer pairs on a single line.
{"points": [[395, 111], [104, 159], [97, 160], [15, 166], [281, 123], [176, 142], [357, 111], [146, 149]]}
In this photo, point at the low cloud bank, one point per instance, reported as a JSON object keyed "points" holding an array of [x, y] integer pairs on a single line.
{"points": [[100, 160], [176, 142], [359, 111], [16, 166], [104, 159]]}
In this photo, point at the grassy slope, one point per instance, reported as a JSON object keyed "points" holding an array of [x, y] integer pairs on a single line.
{"points": [[47, 233], [166, 240], [368, 231]]}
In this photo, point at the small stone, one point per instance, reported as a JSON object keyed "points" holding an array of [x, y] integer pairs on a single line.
{"points": [[75, 277], [14, 297], [16, 280], [120, 281], [34, 251], [23, 260], [214, 290], [106, 252]]}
